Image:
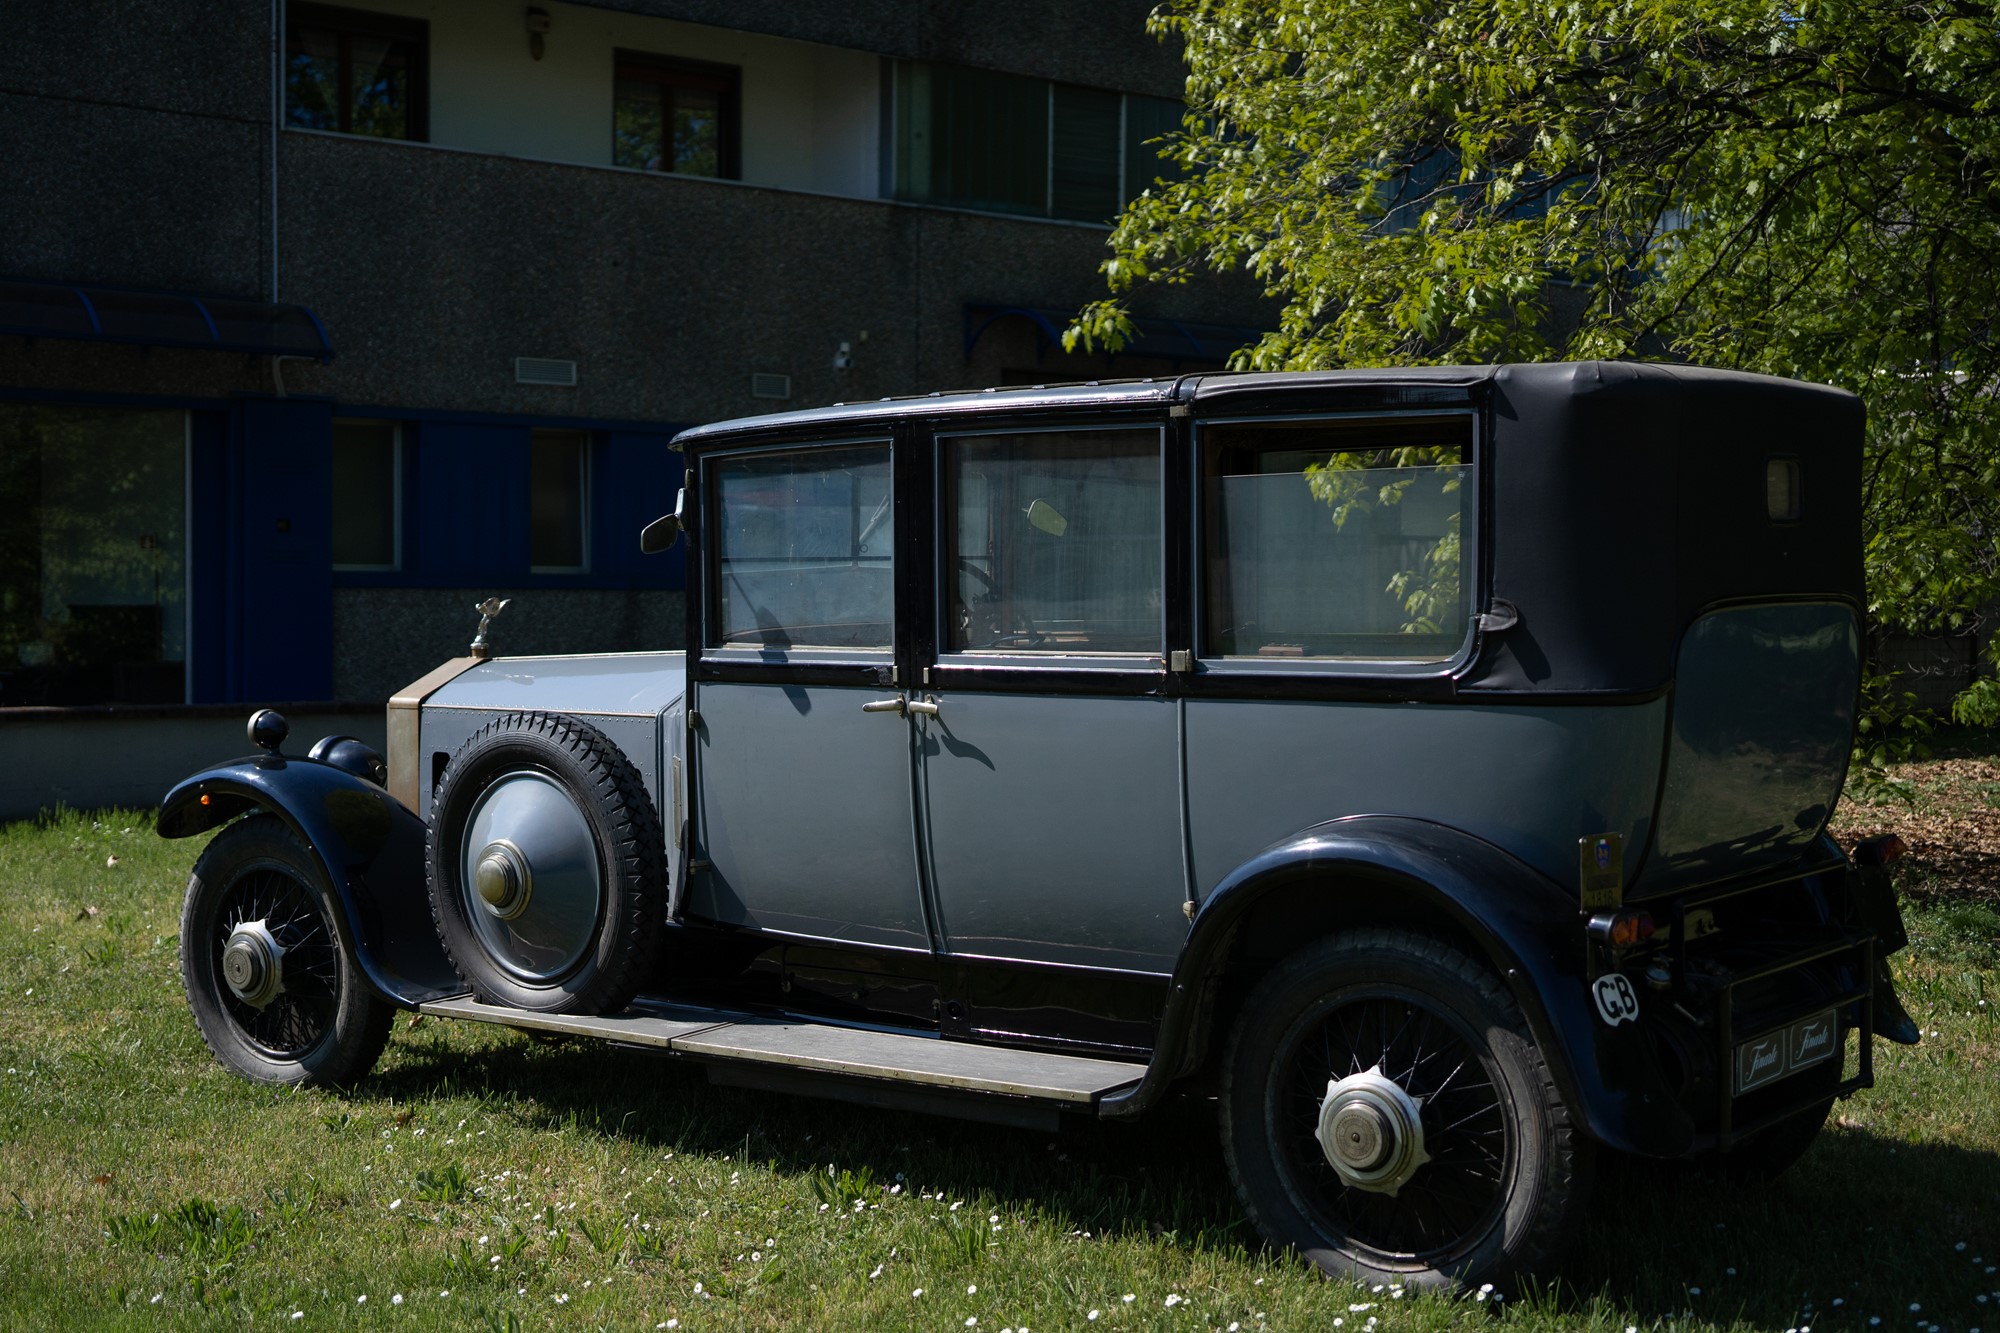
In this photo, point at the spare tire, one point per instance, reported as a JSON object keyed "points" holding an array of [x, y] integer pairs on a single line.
{"points": [[546, 866]]}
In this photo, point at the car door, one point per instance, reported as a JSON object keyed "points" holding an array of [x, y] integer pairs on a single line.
{"points": [[1050, 764], [803, 819]]}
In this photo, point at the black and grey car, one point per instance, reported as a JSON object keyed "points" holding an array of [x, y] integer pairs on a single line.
{"points": [[1432, 767]]}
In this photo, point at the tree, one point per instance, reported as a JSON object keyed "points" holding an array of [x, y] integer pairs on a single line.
{"points": [[1808, 189]]}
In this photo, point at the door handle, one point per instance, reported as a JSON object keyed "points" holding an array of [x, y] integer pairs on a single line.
{"points": [[895, 705], [928, 707]]}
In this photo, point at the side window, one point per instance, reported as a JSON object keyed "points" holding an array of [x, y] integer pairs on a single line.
{"points": [[356, 72], [803, 542], [681, 116], [367, 496], [1339, 538], [1052, 542], [558, 501]]}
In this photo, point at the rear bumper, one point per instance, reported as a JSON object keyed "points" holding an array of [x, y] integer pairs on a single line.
{"points": [[1760, 995]]}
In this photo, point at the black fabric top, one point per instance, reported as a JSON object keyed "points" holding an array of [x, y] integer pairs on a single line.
{"points": [[1624, 500]]}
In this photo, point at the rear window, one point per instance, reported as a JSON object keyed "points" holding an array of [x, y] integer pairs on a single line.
{"points": [[1338, 538]]}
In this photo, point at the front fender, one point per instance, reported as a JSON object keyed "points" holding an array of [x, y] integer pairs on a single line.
{"points": [[369, 844], [1528, 927]]}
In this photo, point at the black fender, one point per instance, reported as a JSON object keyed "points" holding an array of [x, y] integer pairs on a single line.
{"points": [[369, 844], [1529, 927]]}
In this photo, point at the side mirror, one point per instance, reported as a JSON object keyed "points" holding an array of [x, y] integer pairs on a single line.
{"points": [[661, 534]]}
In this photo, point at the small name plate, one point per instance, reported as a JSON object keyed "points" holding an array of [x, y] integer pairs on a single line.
{"points": [[1600, 871]]}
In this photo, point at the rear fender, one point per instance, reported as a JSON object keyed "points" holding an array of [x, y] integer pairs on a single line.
{"points": [[1528, 928], [369, 844]]}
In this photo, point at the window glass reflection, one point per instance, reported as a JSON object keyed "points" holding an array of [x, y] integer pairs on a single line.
{"points": [[92, 556]]}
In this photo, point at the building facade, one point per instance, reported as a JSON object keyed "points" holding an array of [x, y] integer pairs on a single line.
{"points": [[318, 324]]}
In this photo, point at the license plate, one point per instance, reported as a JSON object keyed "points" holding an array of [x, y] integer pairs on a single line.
{"points": [[1786, 1050]]}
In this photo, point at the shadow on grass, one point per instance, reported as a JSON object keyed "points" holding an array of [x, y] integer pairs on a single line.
{"points": [[1872, 1222], [1865, 1219], [1161, 1175]]}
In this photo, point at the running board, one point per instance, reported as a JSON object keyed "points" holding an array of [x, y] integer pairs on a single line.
{"points": [[800, 1047]]}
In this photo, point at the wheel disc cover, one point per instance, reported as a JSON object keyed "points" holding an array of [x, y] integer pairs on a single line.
{"points": [[546, 930]]}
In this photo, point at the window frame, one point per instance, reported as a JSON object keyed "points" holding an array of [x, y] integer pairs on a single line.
{"points": [[942, 530], [395, 497], [1471, 547], [669, 72], [707, 646], [585, 473], [348, 23], [908, 181]]}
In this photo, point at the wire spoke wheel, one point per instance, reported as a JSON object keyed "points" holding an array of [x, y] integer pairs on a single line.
{"points": [[1464, 1127], [1385, 1113], [268, 977], [304, 1012]]}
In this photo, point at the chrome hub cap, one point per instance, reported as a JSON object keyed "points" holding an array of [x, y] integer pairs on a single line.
{"points": [[253, 964], [530, 875], [503, 879], [1372, 1132]]}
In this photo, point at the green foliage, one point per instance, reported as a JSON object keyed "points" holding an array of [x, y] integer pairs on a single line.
{"points": [[448, 1184], [848, 1189], [1801, 189]]}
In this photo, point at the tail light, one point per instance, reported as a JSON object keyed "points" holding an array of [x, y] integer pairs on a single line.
{"points": [[1621, 930]]}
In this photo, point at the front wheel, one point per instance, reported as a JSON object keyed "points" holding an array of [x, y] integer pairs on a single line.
{"points": [[275, 993], [1386, 1114]]}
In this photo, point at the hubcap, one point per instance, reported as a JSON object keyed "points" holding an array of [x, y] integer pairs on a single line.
{"points": [[1372, 1132], [503, 879], [253, 964], [531, 878]]}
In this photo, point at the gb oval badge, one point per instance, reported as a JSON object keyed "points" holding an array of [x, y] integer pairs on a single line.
{"points": [[1617, 1002]]}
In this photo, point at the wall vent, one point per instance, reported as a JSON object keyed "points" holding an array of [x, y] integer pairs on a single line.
{"points": [[770, 386], [543, 370]]}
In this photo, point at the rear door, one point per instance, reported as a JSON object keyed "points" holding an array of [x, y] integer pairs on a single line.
{"points": [[803, 820], [1050, 771]]}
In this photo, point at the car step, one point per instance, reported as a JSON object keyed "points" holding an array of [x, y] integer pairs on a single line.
{"points": [[801, 1055]]}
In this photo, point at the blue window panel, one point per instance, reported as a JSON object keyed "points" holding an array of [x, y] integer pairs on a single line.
{"points": [[282, 629], [470, 505], [213, 499], [634, 478]]}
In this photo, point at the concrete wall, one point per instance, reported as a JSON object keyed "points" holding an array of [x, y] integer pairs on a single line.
{"points": [[668, 291], [384, 638], [130, 757]]}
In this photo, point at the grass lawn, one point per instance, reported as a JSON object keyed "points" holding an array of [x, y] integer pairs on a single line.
{"points": [[483, 1179]]}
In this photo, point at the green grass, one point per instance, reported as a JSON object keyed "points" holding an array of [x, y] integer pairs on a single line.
{"points": [[554, 1185]]}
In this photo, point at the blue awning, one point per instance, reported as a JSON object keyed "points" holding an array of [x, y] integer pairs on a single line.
{"points": [[160, 319], [1166, 339]]}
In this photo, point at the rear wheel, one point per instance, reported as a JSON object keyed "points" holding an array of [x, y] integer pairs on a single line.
{"points": [[275, 991], [1385, 1113]]}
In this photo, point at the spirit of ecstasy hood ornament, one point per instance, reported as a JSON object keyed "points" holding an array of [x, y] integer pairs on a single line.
{"points": [[488, 610]]}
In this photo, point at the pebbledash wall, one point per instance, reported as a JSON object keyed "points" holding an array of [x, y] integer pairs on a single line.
{"points": [[173, 510]]}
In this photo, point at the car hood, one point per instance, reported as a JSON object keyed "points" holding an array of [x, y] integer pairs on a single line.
{"points": [[605, 684]]}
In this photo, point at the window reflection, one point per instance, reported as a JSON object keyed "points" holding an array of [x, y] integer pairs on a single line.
{"points": [[1055, 543], [1338, 538], [675, 115], [92, 550]]}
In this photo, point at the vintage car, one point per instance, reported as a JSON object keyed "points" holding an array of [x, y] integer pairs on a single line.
{"points": [[1431, 767]]}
